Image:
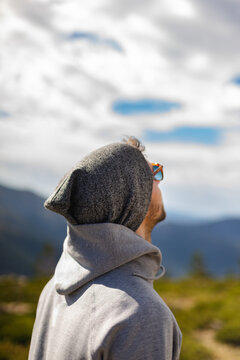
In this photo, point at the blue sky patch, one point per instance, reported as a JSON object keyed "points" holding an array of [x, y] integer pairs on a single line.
{"points": [[4, 114], [143, 106], [94, 38], [236, 80], [83, 36], [186, 134]]}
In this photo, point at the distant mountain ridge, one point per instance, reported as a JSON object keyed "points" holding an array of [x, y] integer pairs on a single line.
{"points": [[25, 226], [218, 242]]}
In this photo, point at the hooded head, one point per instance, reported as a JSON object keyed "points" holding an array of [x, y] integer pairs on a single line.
{"points": [[112, 184]]}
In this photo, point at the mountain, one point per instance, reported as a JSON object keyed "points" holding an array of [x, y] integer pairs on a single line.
{"points": [[31, 238], [217, 242], [182, 218], [25, 228]]}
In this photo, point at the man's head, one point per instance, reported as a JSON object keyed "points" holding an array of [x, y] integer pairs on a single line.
{"points": [[111, 184], [156, 211]]}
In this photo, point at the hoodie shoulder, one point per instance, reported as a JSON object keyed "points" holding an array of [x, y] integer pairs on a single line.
{"points": [[135, 326]]}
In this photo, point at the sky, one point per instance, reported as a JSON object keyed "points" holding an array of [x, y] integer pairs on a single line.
{"points": [[76, 75]]}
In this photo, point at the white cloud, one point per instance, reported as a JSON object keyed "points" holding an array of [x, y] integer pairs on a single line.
{"points": [[179, 8]]}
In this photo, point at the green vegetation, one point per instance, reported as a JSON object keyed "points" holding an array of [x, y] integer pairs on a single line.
{"points": [[16, 328], [199, 303], [192, 349], [10, 351], [230, 332], [18, 302]]}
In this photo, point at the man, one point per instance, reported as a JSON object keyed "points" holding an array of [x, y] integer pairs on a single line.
{"points": [[100, 303]]}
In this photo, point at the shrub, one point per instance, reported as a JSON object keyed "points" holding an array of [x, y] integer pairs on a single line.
{"points": [[205, 313], [10, 351], [191, 349], [16, 328], [230, 333]]}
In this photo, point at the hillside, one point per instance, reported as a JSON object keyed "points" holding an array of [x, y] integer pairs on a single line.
{"points": [[218, 242], [27, 229], [25, 226]]}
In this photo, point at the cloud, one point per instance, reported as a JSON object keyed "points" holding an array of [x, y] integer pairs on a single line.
{"points": [[39, 13], [204, 202]]}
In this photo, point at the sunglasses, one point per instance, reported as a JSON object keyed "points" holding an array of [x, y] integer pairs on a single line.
{"points": [[157, 171]]}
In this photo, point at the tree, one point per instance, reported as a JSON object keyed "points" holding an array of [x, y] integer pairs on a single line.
{"points": [[198, 267], [46, 260]]}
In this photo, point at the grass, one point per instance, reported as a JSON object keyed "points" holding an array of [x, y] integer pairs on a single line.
{"points": [[230, 332], [199, 304], [11, 351], [16, 328], [192, 349], [202, 304]]}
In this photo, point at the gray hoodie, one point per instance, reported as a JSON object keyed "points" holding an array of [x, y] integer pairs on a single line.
{"points": [[100, 303]]}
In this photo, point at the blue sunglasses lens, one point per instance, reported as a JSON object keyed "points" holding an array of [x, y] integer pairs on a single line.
{"points": [[159, 175]]}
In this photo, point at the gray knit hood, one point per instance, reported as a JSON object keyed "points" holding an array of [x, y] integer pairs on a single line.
{"points": [[112, 184]]}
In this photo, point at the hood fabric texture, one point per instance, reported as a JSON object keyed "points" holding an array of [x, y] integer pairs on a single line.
{"points": [[100, 303], [93, 250], [112, 184]]}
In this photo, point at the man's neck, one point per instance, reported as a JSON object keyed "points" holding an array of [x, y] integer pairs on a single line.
{"points": [[144, 232]]}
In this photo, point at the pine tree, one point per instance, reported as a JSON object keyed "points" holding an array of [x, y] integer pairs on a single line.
{"points": [[46, 260], [198, 267]]}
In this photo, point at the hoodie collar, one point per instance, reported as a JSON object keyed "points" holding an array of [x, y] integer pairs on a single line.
{"points": [[92, 250]]}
